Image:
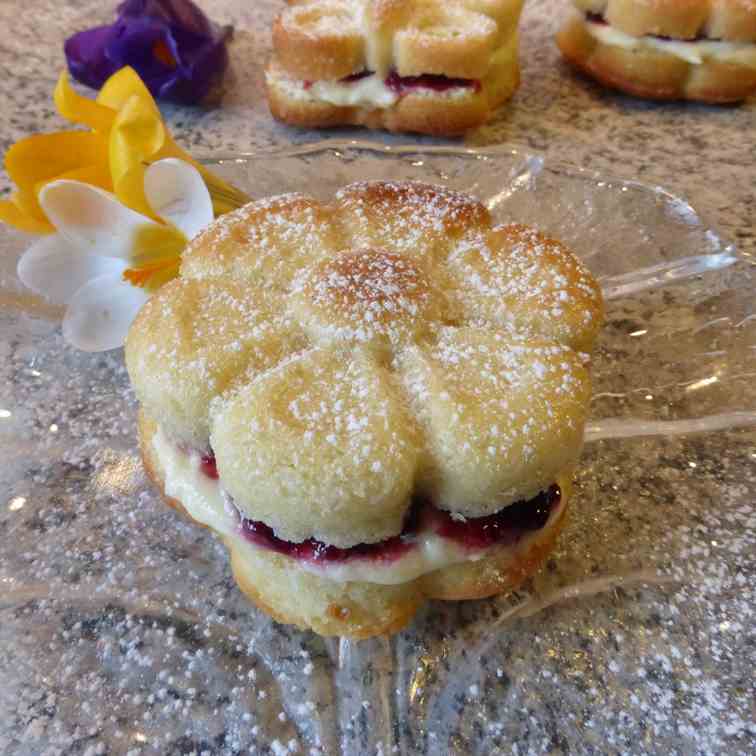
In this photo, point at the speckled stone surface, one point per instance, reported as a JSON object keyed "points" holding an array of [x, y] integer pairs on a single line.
{"points": [[121, 630]]}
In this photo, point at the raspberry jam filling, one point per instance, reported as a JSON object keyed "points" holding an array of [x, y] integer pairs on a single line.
{"points": [[402, 84], [596, 18], [312, 550], [356, 77], [436, 82], [503, 528], [208, 466]]}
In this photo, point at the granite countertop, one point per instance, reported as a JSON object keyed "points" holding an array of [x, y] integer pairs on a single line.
{"points": [[121, 630]]}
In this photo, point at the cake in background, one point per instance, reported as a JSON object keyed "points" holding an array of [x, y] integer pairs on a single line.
{"points": [[425, 66], [703, 50]]}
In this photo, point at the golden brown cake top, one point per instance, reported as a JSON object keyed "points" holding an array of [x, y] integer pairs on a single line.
{"points": [[341, 357], [331, 39], [729, 20]]}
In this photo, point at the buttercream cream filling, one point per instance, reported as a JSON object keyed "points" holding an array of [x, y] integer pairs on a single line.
{"points": [[694, 51], [431, 539], [370, 88]]}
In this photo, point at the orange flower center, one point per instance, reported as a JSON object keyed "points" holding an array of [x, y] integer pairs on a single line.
{"points": [[163, 54], [157, 257], [153, 274]]}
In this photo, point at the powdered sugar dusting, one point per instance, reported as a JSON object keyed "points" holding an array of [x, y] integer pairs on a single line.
{"points": [[265, 243], [413, 219], [193, 341], [361, 295], [528, 284]]}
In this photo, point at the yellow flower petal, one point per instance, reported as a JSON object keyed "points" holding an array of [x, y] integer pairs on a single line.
{"points": [[12, 214], [121, 86], [27, 198], [116, 93], [97, 175], [137, 135], [77, 109], [34, 161], [45, 156], [26, 201]]}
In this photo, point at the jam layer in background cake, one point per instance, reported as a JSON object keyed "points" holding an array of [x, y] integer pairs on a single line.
{"points": [[400, 85]]}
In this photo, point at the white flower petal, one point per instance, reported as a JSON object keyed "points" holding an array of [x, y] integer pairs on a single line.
{"points": [[101, 312], [176, 192], [55, 269], [91, 218]]}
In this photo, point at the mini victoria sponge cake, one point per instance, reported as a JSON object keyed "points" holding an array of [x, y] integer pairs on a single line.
{"points": [[374, 401], [701, 50], [426, 66]]}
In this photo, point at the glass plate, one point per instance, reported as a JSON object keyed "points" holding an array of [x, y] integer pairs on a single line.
{"points": [[122, 631]]}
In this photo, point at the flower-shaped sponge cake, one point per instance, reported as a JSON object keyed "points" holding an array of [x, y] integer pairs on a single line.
{"points": [[375, 401]]}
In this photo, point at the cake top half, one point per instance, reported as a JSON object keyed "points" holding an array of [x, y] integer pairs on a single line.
{"points": [[341, 357]]}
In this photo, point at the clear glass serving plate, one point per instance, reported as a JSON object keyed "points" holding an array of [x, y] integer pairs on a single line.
{"points": [[122, 631]]}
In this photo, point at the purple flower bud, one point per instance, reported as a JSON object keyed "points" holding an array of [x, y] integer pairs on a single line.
{"points": [[175, 49]]}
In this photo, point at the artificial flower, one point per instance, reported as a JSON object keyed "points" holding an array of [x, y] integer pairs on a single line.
{"points": [[126, 133], [104, 259], [171, 44]]}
